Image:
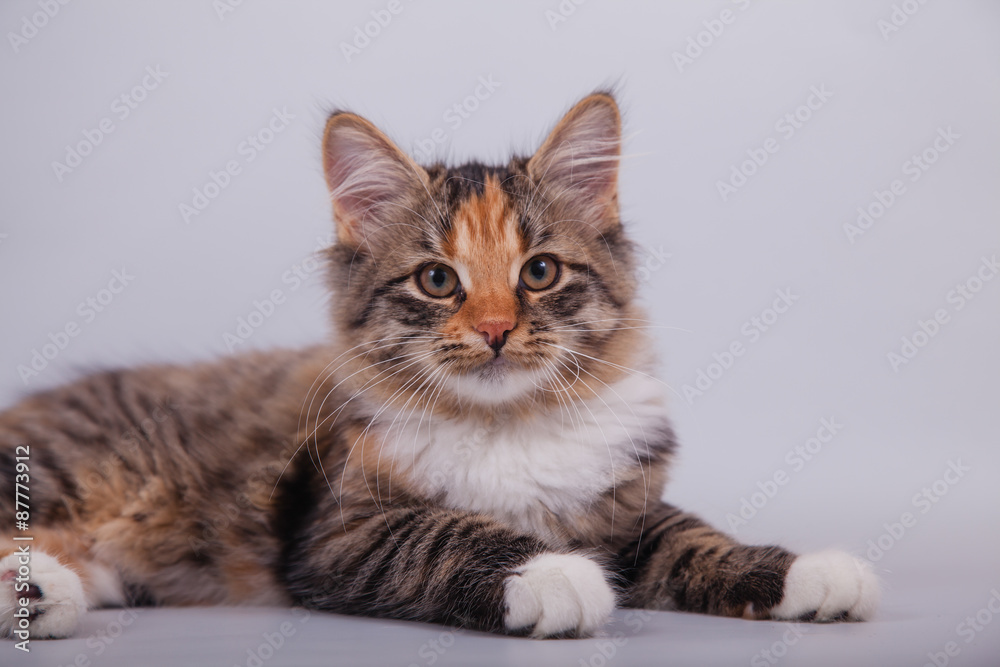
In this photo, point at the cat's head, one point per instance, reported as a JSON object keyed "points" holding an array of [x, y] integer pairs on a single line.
{"points": [[483, 284]]}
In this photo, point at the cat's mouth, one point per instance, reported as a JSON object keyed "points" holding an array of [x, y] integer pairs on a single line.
{"points": [[497, 380], [495, 370]]}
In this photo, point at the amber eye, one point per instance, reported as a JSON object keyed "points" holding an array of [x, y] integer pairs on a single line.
{"points": [[540, 272], [438, 280]]}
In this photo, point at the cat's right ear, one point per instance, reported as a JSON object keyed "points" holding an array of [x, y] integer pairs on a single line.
{"points": [[579, 159], [371, 181]]}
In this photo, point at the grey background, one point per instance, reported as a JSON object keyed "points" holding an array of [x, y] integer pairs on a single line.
{"points": [[686, 127]]}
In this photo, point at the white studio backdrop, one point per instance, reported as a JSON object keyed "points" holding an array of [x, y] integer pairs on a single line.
{"points": [[814, 186]]}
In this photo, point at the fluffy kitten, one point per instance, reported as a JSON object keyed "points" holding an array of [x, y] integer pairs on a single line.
{"points": [[481, 445]]}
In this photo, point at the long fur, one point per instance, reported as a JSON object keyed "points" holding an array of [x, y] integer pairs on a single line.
{"points": [[408, 469]]}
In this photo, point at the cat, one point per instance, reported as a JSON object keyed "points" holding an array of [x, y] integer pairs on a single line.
{"points": [[483, 443]]}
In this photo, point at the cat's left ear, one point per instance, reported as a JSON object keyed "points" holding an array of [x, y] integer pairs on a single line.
{"points": [[373, 184], [579, 159]]}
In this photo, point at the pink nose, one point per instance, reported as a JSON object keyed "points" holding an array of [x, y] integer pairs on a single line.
{"points": [[495, 332]]}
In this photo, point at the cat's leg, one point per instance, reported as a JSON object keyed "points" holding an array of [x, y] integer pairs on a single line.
{"points": [[450, 567], [679, 562]]}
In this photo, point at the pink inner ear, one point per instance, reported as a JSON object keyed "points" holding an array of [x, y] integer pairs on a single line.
{"points": [[367, 175], [357, 170], [582, 153]]}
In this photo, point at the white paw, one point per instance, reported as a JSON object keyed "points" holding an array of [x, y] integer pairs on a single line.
{"points": [[553, 594], [833, 584], [55, 593]]}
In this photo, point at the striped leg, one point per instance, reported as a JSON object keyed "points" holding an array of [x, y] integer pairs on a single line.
{"points": [[450, 567], [679, 562]]}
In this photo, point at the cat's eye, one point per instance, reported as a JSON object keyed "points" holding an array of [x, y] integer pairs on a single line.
{"points": [[540, 272], [438, 280]]}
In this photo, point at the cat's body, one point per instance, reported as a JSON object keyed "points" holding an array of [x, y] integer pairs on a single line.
{"points": [[483, 444]]}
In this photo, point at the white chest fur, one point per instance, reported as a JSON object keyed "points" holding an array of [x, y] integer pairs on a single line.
{"points": [[519, 470]]}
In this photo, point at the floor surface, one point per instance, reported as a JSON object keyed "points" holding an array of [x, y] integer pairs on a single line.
{"points": [[914, 627]]}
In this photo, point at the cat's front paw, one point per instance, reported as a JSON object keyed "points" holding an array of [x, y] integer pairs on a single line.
{"points": [[828, 586], [558, 594], [54, 592]]}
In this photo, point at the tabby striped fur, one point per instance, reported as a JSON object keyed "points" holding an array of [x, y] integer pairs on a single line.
{"points": [[418, 467]]}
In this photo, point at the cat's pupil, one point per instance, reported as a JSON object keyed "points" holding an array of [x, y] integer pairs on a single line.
{"points": [[438, 277], [538, 269]]}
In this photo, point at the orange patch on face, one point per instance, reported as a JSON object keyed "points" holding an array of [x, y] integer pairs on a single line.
{"points": [[485, 240]]}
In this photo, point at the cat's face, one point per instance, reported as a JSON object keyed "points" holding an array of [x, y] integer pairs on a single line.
{"points": [[483, 284]]}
